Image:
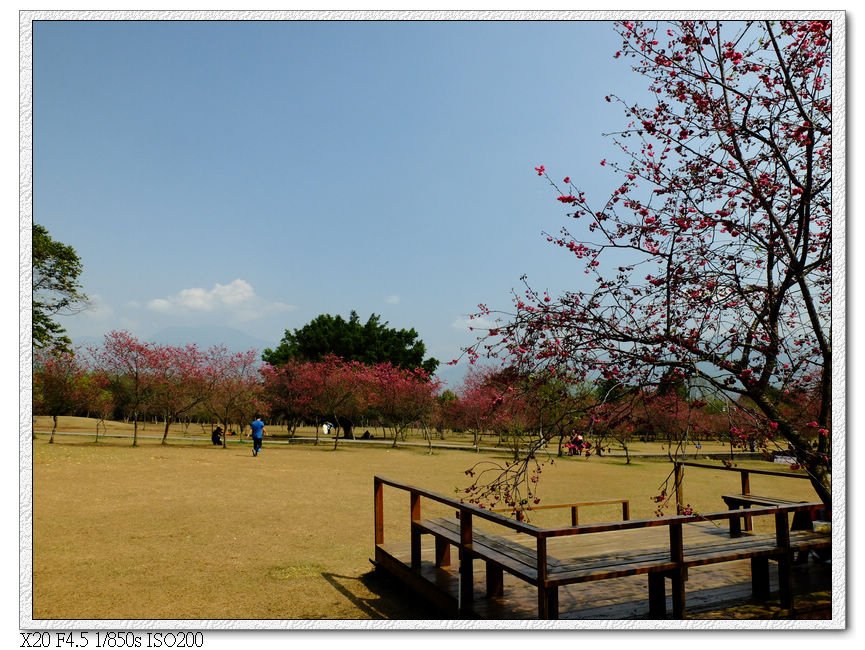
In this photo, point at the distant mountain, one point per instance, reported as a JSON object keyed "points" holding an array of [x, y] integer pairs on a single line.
{"points": [[209, 335], [204, 337]]}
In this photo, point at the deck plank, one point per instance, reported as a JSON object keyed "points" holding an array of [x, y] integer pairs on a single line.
{"points": [[710, 587]]}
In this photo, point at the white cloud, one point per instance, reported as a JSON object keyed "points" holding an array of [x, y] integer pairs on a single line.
{"points": [[392, 300], [159, 304], [237, 298], [468, 324]]}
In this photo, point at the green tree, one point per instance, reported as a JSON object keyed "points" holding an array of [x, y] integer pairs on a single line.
{"points": [[370, 343], [56, 289]]}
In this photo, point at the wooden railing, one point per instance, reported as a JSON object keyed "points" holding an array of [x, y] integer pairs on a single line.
{"points": [[745, 477], [467, 511], [674, 565], [573, 507]]}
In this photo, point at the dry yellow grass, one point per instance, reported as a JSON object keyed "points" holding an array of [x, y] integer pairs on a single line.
{"points": [[189, 530]]}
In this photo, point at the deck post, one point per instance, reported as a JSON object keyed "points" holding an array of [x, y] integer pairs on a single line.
{"points": [[746, 481], [415, 534], [735, 526], [678, 575], [785, 560], [544, 594], [378, 508], [443, 552], [543, 603], [746, 489], [553, 602], [760, 577], [467, 575], [657, 595], [495, 580]]}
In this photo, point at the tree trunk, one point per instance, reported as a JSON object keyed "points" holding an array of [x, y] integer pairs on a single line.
{"points": [[821, 479], [53, 429], [336, 432], [165, 433], [428, 436]]}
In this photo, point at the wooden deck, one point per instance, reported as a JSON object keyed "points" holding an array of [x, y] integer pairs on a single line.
{"points": [[480, 564], [714, 591]]}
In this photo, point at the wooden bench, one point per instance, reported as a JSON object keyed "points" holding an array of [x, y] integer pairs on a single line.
{"points": [[745, 499], [533, 564], [801, 519], [547, 572], [500, 554]]}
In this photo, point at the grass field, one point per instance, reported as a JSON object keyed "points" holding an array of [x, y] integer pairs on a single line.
{"points": [[192, 531]]}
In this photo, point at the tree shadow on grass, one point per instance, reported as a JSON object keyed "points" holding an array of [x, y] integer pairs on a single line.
{"points": [[390, 600]]}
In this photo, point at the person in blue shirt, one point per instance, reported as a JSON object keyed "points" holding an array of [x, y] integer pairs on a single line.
{"points": [[257, 433]]}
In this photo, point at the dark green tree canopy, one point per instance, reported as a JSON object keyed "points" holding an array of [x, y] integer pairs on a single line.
{"points": [[56, 289], [370, 342]]}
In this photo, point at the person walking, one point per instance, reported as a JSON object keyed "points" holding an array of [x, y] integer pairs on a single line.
{"points": [[257, 434]]}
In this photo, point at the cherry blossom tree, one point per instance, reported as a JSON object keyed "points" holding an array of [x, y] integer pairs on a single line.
{"points": [[284, 394], [477, 398], [337, 389], [712, 259], [128, 366], [527, 412], [234, 391], [98, 398], [58, 384], [183, 380], [402, 397], [348, 392], [442, 418]]}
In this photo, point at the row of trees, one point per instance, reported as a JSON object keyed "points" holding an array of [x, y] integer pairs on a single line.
{"points": [[133, 380], [542, 416], [612, 414]]}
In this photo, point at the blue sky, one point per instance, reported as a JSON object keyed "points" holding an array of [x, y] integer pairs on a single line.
{"points": [[256, 174], [253, 175]]}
